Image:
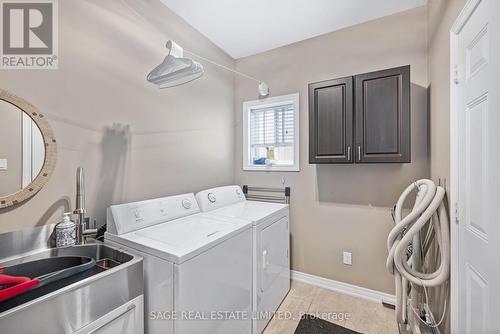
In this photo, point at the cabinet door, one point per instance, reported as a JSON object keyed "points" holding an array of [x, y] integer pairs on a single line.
{"points": [[331, 121], [382, 122]]}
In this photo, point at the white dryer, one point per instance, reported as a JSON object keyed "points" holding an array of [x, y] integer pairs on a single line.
{"points": [[271, 245], [197, 269]]}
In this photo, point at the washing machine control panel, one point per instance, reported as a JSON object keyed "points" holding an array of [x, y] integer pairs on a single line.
{"points": [[214, 198], [134, 216]]}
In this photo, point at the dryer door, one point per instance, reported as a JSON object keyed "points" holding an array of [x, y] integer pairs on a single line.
{"points": [[274, 255]]}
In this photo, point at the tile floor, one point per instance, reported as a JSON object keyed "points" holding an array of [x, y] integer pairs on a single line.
{"points": [[364, 316]]}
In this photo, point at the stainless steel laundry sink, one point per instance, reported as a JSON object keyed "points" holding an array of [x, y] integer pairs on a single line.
{"points": [[67, 305]]}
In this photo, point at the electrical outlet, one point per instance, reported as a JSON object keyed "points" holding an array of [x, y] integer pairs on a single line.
{"points": [[3, 164], [348, 258]]}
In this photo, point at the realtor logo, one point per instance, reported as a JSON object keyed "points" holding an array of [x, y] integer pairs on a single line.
{"points": [[29, 34]]}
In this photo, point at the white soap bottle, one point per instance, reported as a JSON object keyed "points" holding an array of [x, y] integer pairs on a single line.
{"points": [[66, 231]]}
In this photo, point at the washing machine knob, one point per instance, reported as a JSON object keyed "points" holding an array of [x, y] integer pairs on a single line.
{"points": [[186, 204], [212, 198]]}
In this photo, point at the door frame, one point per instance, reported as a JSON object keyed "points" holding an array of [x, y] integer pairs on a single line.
{"points": [[455, 74]]}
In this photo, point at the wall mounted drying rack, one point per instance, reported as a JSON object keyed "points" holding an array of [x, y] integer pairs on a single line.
{"points": [[273, 195]]}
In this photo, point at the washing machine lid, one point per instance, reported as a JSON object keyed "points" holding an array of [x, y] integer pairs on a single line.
{"points": [[230, 202], [182, 239], [253, 211]]}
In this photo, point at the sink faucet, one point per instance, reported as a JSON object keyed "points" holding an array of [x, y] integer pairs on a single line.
{"points": [[80, 209]]}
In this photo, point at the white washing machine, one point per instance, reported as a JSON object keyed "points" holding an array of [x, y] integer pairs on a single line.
{"points": [[197, 269], [271, 245]]}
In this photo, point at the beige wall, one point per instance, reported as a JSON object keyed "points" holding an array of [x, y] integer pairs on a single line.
{"points": [[134, 141], [343, 207], [10, 148], [441, 15]]}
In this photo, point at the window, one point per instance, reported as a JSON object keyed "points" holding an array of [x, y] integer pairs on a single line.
{"points": [[271, 134]]}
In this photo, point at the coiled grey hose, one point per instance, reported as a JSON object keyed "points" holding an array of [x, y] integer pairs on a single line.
{"points": [[429, 204]]}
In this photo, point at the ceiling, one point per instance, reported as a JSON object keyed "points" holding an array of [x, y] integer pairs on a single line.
{"points": [[246, 27]]}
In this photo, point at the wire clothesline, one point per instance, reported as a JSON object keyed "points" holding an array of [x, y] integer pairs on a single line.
{"points": [[224, 67]]}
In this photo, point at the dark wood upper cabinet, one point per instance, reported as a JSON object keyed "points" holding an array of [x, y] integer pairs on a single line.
{"points": [[331, 121], [361, 119], [382, 125]]}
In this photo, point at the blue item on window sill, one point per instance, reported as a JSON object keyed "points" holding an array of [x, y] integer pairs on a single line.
{"points": [[259, 161]]}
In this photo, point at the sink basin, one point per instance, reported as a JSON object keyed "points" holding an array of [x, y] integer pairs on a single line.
{"points": [[22, 277], [96, 251], [82, 298]]}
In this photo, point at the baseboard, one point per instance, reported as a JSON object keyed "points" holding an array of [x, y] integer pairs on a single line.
{"points": [[345, 288]]}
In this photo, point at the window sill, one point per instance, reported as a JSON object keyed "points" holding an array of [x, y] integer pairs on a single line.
{"points": [[271, 168]]}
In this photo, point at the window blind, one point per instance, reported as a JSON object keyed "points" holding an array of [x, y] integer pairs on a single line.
{"points": [[272, 126]]}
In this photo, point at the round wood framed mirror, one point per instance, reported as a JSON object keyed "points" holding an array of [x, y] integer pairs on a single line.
{"points": [[28, 150]]}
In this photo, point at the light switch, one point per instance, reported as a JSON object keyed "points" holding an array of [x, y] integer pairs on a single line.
{"points": [[3, 164]]}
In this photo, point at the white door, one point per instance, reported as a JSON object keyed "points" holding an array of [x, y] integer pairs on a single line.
{"points": [[272, 269], [274, 255], [476, 168]]}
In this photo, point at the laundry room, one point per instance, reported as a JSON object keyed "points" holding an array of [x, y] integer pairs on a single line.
{"points": [[249, 167]]}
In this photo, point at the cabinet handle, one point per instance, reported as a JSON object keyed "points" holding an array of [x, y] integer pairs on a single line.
{"points": [[348, 153], [359, 153], [128, 309]]}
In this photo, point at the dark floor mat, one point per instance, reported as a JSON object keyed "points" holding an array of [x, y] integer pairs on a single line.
{"points": [[312, 325]]}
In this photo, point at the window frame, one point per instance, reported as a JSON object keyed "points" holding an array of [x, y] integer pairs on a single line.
{"points": [[267, 103]]}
